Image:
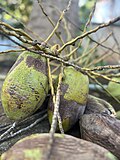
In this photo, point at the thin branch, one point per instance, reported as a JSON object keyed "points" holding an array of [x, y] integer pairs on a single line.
{"points": [[88, 33], [97, 82], [19, 31], [59, 21], [13, 33], [103, 76], [8, 131], [116, 41], [24, 129], [49, 19], [51, 82], [55, 117], [11, 51], [103, 57], [27, 28], [47, 54], [90, 52], [90, 17], [100, 68], [53, 95], [104, 46], [84, 30], [93, 40], [57, 103]]}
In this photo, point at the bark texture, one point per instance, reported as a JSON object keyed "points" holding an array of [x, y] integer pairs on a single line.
{"points": [[98, 126], [64, 148], [103, 130]]}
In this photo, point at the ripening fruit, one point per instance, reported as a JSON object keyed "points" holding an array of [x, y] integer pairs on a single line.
{"points": [[74, 92], [114, 88], [25, 87]]}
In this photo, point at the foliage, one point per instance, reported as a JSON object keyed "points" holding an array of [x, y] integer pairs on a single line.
{"points": [[20, 8]]}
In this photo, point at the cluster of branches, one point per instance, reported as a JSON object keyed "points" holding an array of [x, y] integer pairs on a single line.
{"points": [[66, 55]]}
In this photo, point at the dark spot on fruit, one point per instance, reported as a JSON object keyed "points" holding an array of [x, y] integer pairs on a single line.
{"points": [[37, 97], [19, 107], [36, 92], [16, 97], [37, 64], [11, 91], [64, 88], [32, 89], [68, 109]]}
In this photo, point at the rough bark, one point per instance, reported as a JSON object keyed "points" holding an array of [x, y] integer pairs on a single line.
{"points": [[64, 148], [99, 127]]}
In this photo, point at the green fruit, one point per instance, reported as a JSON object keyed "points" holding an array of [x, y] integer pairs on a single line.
{"points": [[74, 92], [114, 88], [25, 87]]}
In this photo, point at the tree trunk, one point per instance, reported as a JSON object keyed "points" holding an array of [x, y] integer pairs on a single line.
{"points": [[98, 126], [102, 130]]}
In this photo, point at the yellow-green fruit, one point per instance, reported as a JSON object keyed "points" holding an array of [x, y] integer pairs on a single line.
{"points": [[25, 87], [74, 92], [114, 88]]}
